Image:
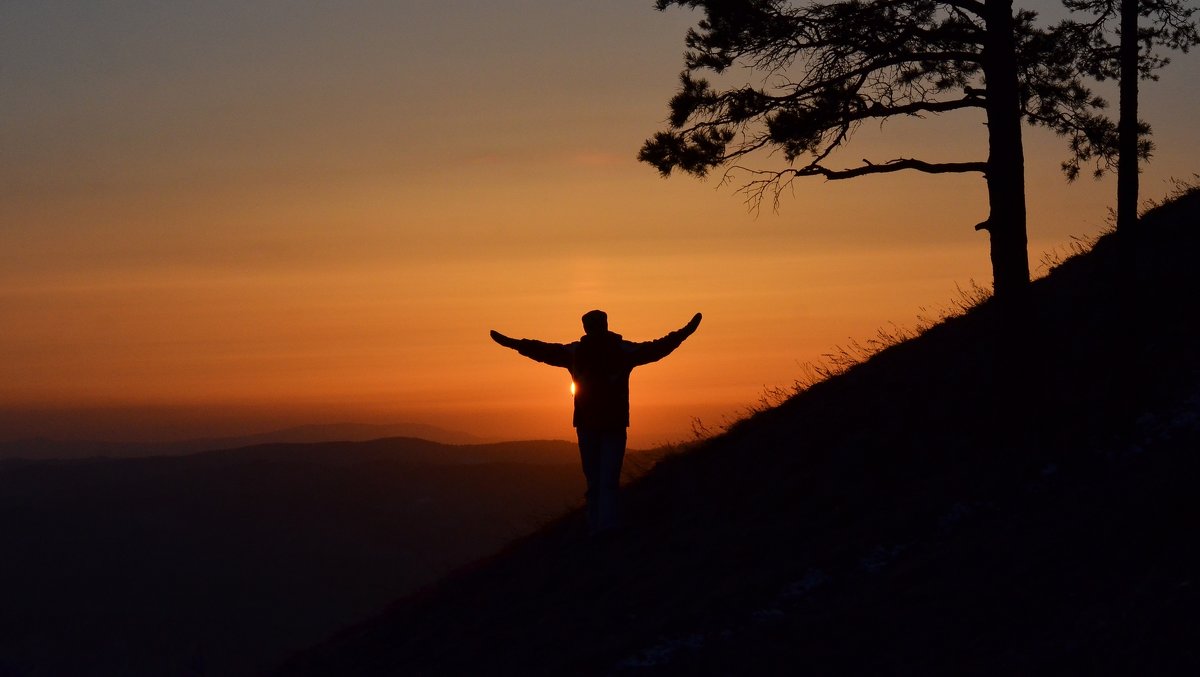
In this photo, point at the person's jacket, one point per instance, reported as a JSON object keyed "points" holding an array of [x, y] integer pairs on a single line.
{"points": [[600, 365]]}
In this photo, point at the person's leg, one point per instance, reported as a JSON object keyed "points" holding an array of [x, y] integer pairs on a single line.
{"points": [[607, 477], [590, 445]]}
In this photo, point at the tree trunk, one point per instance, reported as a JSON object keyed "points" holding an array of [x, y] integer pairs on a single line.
{"points": [[1006, 159], [1127, 122]]}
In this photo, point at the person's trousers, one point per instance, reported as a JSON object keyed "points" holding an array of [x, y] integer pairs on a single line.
{"points": [[602, 450]]}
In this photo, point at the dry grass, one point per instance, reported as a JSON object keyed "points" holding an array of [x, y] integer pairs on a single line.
{"points": [[843, 357]]}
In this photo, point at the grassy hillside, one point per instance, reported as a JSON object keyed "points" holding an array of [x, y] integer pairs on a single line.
{"points": [[223, 563], [1012, 492]]}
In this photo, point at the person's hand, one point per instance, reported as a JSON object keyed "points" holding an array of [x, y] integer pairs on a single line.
{"points": [[502, 339], [691, 326]]}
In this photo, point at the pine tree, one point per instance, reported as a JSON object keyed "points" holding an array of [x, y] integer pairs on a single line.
{"points": [[1168, 24], [828, 67]]}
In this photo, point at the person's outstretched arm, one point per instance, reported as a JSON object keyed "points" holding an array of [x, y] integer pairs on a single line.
{"points": [[652, 351], [553, 354]]}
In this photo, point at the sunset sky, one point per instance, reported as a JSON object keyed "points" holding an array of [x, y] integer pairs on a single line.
{"points": [[227, 217]]}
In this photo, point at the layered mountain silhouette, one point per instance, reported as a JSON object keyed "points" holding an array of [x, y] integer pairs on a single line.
{"points": [[225, 562], [1013, 492], [46, 448]]}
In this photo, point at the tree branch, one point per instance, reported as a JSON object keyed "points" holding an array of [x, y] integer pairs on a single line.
{"points": [[774, 182], [878, 110], [888, 167], [973, 6]]}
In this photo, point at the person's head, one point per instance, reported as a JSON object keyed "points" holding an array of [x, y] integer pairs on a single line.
{"points": [[595, 322]]}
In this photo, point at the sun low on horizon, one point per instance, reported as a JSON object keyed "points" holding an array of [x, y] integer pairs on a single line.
{"points": [[222, 218]]}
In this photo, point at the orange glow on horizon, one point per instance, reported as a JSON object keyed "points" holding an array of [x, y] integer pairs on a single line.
{"points": [[316, 223]]}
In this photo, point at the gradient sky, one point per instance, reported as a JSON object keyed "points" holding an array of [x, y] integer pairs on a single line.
{"points": [[226, 217]]}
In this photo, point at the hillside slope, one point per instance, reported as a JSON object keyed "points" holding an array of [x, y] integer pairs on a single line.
{"points": [[1012, 492]]}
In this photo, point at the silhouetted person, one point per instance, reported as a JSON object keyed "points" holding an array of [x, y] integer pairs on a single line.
{"points": [[600, 363]]}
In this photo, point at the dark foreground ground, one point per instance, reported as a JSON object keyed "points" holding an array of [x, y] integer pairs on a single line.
{"points": [[224, 563], [1012, 493]]}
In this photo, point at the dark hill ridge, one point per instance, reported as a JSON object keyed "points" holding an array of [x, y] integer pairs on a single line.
{"points": [[45, 449], [225, 562], [1012, 492]]}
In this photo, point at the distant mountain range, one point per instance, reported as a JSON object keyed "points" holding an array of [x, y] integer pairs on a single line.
{"points": [[45, 448], [223, 562]]}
